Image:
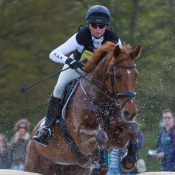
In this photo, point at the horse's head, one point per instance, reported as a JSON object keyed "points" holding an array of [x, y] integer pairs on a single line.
{"points": [[121, 78], [117, 65]]}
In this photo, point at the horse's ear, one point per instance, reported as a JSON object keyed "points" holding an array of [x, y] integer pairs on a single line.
{"points": [[117, 51], [136, 52]]}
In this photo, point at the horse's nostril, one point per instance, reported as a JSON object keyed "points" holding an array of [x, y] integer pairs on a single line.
{"points": [[126, 115]]}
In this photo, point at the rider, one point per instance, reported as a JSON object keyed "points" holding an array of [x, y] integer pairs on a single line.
{"points": [[82, 45]]}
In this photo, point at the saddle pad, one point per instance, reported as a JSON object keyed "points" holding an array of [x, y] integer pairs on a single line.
{"points": [[65, 104]]}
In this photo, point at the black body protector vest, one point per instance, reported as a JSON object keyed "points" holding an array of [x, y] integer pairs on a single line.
{"points": [[84, 38]]}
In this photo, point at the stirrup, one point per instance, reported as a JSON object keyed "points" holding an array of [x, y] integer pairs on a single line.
{"points": [[40, 139], [43, 128]]}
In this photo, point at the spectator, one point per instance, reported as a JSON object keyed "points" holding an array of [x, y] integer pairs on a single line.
{"points": [[165, 138], [121, 153], [171, 155], [5, 154], [19, 143]]}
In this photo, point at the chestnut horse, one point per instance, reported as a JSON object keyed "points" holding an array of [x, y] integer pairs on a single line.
{"points": [[109, 84]]}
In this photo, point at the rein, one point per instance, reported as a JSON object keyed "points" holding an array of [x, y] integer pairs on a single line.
{"points": [[105, 107], [115, 95]]}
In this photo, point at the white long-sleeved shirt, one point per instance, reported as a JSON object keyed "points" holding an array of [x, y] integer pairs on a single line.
{"points": [[59, 54]]}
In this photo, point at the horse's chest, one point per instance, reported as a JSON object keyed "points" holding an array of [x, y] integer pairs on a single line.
{"points": [[95, 119]]}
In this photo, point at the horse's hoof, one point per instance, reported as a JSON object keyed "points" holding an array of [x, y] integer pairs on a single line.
{"points": [[103, 171], [127, 165], [94, 171]]}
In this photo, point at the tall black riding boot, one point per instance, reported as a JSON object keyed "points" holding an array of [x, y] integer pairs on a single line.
{"points": [[53, 111]]}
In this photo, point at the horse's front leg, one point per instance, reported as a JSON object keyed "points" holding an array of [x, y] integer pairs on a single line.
{"points": [[93, 138], [91, 141], [128, 162], [97, 141]]}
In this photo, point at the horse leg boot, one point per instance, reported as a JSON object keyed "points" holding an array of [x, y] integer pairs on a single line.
{"points": [[102, 168], [128, 162], [132, 151], [103, 161], [53, 111], [103, 157]]}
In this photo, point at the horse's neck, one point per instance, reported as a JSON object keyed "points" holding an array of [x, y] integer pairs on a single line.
{"points": [[98, 78]]}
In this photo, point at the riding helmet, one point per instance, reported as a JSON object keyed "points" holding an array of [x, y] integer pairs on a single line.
{"points": [[98, 14]]}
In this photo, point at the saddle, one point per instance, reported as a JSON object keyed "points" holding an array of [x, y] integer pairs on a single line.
{"points": [[67, 93]]}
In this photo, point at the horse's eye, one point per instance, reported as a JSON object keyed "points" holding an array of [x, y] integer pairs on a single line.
{"points": [[118, 76]]}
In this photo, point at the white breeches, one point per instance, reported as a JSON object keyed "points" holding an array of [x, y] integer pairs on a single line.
{"points": [[64, 78]]}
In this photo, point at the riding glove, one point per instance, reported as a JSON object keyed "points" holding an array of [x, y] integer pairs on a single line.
{"points": [[74, 64]]}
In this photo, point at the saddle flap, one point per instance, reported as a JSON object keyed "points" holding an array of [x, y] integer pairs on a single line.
{"points": [[67, 91]]}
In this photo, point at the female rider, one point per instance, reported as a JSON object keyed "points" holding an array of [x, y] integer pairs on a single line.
{"points": [[82, 44]]}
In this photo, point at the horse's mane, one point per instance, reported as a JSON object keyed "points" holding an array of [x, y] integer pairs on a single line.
{"points": [[106, 49]]}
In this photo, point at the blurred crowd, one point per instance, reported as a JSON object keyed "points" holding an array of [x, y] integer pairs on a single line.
{"points": [[12, 154]]}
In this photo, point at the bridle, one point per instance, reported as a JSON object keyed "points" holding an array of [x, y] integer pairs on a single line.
{"points": [[115, 94]]}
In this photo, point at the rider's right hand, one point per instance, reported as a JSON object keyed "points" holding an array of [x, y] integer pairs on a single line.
{"points": [[74, 64]]}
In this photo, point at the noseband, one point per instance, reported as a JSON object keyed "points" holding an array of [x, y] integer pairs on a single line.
{"points": [[115, 94]]}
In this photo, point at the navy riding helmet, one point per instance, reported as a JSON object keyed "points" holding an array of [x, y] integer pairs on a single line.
{"points": [[98, 14]]}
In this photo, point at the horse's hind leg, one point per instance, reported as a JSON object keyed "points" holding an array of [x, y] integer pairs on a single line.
{"points": [[32, 162], [74, 169], [35, 162], [40, 165], [128, 162], [58, 170], [53, 170]]}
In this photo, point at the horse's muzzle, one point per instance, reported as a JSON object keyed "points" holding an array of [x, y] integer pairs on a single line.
{"points": [[128, 116]]}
